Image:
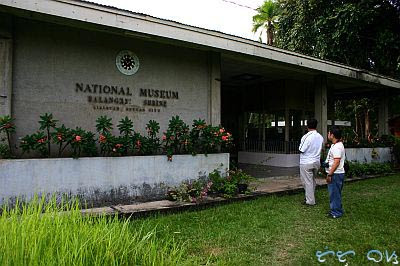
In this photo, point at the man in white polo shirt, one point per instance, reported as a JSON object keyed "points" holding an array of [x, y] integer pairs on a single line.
{"points": [[310, 154]]}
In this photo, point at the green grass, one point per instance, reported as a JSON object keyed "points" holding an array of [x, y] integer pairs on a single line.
{"points": [[280, 231], [266, 231], [33, 237]]}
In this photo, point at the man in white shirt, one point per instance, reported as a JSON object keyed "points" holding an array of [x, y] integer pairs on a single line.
{"points": [[335, 172], [310, 154]]}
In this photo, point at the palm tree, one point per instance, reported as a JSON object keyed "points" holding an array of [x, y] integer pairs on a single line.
{"points": [[266, 18]]}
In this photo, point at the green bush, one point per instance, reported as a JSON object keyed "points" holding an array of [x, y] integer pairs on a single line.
{"points": [[227, 185], [7, 127], [178, 139], [362, 169], [396, 150]]}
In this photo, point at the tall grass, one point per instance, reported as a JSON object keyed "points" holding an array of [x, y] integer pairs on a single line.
{"points": [[41, 233]]}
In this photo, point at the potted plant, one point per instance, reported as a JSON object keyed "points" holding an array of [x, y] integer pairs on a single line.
{"points": [[242, 180]]}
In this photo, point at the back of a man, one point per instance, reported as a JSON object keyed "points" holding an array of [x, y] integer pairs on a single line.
{"points": [[310, 154]]}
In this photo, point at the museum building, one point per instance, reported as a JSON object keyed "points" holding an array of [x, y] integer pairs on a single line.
{"points": [[79, 60]]}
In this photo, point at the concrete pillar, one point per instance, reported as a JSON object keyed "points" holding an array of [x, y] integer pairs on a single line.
{"points": [[6, 51], [321, 104], [383, 115], [215, 89]]}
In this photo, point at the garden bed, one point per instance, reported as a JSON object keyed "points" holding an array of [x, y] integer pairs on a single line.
{"points": [[101, 181]]}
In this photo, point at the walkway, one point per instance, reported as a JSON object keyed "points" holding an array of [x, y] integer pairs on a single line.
{"points": [[265, 186]]}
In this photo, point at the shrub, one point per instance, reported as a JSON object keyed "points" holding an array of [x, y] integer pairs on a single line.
{"points": [[396, 150], [47, 123], [63, 137], [178, 139], [83, 143], [362, 169], [7, 127], [227, 184], [190, 191]]}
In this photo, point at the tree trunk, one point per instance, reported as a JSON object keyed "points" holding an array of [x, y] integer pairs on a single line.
{"points": [[270, 33]]}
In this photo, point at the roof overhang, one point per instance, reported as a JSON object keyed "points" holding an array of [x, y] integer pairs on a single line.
{"points": [[140, 25]]}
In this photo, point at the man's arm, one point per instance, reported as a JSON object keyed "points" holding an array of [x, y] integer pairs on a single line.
{"points": [[335, 165]]}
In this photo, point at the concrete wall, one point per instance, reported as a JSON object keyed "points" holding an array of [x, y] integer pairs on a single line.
{"points": [[271, 159], [102, 181], [50, 59], [362, 155], [368, 155]]}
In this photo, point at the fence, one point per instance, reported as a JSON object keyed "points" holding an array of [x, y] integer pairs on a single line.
{"points": [[270, 146]]}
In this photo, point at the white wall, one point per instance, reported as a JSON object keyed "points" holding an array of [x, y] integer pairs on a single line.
{"points": [[271, 159], [103, 180]]}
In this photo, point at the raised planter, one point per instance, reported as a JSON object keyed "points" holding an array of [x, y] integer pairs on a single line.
{"points": [[369, 155], [103, 180]]}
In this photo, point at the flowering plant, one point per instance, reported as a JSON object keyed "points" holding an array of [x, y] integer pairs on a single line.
{"points": [[190, 191], [7, 127]]}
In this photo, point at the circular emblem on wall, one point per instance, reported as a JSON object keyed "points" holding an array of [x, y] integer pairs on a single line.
{"points": [[127, 62]]}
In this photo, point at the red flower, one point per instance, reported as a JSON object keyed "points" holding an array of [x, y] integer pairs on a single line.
{"points": [[224, 138], [221, 130], [102, 139], [78, 138], [118, 145], [164, 137], [138, 143], [171, 138], [42, 140], [59, 136]]}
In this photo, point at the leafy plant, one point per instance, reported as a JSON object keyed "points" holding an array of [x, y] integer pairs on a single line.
{"points": [[176, 139], [151, 144], [227, 184], [62, 136], [190, 191], [362, 169], [104, 127], [396, 150], [123, 144], [7, 127], [83, 143], [47, 122], [35, 142]]}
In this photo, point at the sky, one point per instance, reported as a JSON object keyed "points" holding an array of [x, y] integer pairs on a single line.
{"points": [[228, 16]]}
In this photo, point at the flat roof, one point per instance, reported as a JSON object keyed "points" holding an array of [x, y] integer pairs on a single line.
{"points": [[132, 22]]}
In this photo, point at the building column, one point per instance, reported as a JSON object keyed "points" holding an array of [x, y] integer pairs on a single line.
{"points": [[215, 89], [383, 115], [321, 104], [6, 51]]}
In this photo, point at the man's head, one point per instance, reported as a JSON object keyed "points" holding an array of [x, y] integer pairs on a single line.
{"points": [[334, 134], [312, 123]]}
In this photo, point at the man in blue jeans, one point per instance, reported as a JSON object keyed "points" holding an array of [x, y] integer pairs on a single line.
{"points": [[335, 172]]}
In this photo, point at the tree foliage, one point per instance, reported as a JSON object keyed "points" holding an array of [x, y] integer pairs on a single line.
{"points": [[361, 33], [267, 18]]}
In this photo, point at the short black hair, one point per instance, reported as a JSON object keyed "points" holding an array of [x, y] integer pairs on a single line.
{"points": [[336, 132], [312, 123]]}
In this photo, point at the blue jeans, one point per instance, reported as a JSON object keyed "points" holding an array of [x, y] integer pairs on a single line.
{"points": [[335, 194]]}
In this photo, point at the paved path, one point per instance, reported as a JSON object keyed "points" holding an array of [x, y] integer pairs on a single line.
{"points": [[265, 186]]}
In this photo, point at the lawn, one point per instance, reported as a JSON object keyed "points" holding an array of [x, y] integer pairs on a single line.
{"points": [[280, 231], [265, 231]]}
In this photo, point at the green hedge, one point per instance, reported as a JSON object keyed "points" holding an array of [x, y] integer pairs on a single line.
{"points": [[362, 169]]}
